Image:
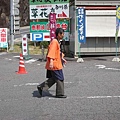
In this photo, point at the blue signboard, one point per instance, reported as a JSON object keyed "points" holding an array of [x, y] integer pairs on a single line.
{"points": [[81, 25], [3, 45], [37, 36]]}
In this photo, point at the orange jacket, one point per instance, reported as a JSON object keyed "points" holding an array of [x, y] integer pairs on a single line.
{"points": [[54, 53]]}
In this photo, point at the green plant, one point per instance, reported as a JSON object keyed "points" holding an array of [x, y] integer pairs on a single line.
{"points": [[44, 43]]}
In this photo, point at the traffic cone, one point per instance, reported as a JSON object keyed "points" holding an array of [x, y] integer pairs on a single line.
{"points": [[21, 66]]}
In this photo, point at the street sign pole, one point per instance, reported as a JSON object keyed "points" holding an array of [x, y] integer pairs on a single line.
{"points": [[116, 40], [78, 22], [116, 34], [11, 25]]}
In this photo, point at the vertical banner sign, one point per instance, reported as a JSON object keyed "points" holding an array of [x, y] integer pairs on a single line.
{"points": [[52, 23], [81, 25], [24, 45], [3, 38], [117, 22], [16, 11]]}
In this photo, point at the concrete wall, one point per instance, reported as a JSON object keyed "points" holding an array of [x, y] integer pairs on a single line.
{"points": [[99, 46], [72, 29]]}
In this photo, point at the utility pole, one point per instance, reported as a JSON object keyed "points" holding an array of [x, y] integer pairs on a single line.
{"points": [[11, 25], [14, 21]]}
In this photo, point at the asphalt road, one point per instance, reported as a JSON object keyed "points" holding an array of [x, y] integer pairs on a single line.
{"points": [[92, 87]]}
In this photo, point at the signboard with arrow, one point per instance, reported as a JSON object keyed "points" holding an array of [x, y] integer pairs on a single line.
{"points": [[42, 11]]}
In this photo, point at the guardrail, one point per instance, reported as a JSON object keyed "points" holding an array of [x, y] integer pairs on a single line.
{"points": [[23, 30]]}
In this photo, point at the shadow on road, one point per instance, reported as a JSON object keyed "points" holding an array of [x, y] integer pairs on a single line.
{"points": [[45, 94]]}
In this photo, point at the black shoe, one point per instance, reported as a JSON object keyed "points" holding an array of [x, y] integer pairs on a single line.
{"points": [[40, 90], [61, 96]]}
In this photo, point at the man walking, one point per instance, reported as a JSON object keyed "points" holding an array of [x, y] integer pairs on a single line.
{"points": [[54, 66]]}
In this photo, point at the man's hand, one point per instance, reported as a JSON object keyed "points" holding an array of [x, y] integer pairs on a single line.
{"points": [[51, 64], [65, 62]]}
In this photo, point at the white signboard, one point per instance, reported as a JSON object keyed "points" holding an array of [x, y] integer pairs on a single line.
{"points": [[3, 38], [42, 11]]}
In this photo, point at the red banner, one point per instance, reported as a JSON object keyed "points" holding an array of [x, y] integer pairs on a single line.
{"points": [[52, 21]]}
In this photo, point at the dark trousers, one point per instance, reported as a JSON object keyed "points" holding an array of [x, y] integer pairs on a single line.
{"points": [[50, 82]]}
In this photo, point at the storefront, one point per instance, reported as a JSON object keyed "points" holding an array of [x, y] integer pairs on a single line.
{"points": [[100, 24]]}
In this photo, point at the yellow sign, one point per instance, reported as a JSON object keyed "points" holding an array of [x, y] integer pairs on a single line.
{"points": [[118, 12]]}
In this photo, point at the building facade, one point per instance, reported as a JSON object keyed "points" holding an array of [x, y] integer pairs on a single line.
{"points": [[100, 27]]}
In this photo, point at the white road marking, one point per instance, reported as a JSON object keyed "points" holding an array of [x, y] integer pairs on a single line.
{"points": [[112, 69], [100, 66], [29, 84], [3, 53], [104, 67], [31, 61], [72, 97], [16, 56], [89, 97], [69, 82], [34, 84], [7, 59], [96, 97]]}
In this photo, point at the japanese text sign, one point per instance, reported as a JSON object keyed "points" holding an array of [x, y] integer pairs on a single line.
{"points": [[81, 25], [3, 38], [42, 11], [38, 2], [44, 27], [52, 23], [3, 35]]}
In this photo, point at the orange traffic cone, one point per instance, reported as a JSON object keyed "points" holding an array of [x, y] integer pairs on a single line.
{"points": [[21, 66]]}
